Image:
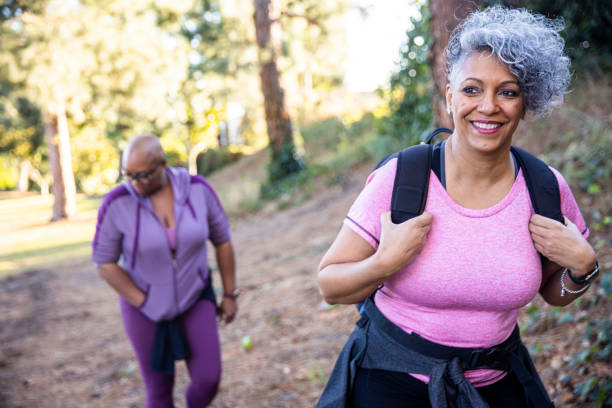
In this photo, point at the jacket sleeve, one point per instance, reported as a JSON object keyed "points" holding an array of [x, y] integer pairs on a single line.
{"points": [[218, 223], [106, 245]]}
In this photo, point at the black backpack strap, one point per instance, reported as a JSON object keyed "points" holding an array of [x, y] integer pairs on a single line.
{"points": [[385, 160], [427, 139], [411, 183], [542, 184]]}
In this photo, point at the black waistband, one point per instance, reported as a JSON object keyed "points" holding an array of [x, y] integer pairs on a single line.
{"points": [[472, 358]]}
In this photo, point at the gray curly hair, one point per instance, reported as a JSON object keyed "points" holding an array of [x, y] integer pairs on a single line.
{"points": [[529, 44]]}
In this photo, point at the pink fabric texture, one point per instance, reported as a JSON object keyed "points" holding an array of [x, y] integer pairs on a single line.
{"points": [[171, 234], [477, 268]]}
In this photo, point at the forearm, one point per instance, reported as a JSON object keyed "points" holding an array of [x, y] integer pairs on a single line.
{"points": [[351, 282], [121, 282], [227, 266], [551, 290]]}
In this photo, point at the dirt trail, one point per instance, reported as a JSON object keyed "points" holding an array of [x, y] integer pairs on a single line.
{"points": [[63, 344]]}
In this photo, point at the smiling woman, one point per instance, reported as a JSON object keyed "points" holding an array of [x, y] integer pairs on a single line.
{"points": [[486, 103], [441, 291]]}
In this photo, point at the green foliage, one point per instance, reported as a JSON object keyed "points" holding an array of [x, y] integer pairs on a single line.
{"points": [[595, 349], [588, 28], [204, 26], [581, 153], [334, 147], [10, 9], [8, 172], [410, 99], [284, 168], [336, 139], [598, 335], [160, 66], [20, 122], [214, 159]]}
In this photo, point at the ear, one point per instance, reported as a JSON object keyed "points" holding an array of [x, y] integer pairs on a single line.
{"points": [[449, 98]]}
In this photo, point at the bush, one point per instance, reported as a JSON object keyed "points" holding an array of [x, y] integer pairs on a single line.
{"points": [[214, 159], [410, 93]]}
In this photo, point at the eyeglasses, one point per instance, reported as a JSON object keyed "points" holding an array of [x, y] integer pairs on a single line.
{"points": [[142, 176]]}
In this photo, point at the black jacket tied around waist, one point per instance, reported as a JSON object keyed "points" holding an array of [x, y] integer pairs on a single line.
{"points": [[377, 343]]}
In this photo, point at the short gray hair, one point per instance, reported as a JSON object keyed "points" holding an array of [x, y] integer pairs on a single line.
{"points": [[528, 43]]}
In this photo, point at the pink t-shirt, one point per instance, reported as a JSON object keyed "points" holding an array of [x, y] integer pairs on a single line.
{"points": [[477, 268]]}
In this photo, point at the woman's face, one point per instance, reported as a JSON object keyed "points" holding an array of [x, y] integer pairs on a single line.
{"points": [[145, 174], [485, 102]]}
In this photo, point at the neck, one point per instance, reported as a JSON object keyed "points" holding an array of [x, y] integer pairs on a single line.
{"points": [[466, 165]]}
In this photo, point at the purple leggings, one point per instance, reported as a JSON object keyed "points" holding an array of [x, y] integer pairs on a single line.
{"points": [[199, 325]]}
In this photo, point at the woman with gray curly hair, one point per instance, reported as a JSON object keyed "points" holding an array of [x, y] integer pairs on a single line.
{"points": [[442, 290]]}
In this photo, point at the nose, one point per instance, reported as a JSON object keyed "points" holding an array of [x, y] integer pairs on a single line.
{"points": [[136, 182], [488, 104]]}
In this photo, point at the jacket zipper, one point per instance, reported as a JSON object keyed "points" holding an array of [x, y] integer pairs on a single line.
{"points": [[174, 263]]}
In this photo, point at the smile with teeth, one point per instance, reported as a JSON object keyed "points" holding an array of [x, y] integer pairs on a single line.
{"points": [[486, 126]]}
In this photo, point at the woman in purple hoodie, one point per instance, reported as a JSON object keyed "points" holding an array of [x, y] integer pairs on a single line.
{"points": [[150, 246]]}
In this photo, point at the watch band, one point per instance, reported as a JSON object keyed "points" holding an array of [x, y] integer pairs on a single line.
{"points": [[232, 295], [589, 277]]}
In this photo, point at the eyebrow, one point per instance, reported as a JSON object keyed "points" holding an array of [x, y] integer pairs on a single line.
{"points": [[480, 81]]}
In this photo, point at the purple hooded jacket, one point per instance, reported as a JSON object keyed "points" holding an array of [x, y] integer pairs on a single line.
{"points": [[129, 232]]}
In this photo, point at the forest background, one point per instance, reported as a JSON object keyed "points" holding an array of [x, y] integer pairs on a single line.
{"points": [[253, 95]]}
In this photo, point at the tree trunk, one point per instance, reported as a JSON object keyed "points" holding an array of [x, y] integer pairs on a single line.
{"points": [[278, 121], [193, 156], [60, 162], [445, 16], [24, 175], [27, 172]]}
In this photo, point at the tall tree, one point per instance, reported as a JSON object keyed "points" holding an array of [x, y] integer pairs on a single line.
{"points": [[94, 70], [280, 132], [445, 16], [60, 161], [48, 68]]}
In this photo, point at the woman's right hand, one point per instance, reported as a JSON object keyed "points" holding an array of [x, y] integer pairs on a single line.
{"points": [[352, 269], [401, 243], [119, 280]]}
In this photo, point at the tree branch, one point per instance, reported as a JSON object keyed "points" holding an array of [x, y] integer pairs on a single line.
{"points": [[309, 19]]}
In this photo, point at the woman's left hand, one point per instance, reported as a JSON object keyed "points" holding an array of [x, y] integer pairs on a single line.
{"points": [[228, 309], [562, 244]]}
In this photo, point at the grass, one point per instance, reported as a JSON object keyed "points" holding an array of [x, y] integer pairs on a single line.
{"points": [[333, 147], [30, 241]]}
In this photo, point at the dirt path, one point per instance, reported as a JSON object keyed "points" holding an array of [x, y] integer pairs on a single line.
{"points": [[63, 344]]}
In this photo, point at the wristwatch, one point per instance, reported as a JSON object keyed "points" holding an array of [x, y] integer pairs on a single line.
{"points": [[589, 277], [232, 295]]}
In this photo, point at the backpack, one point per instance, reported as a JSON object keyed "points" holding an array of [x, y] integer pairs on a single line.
{"points": [[414, 165]]}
